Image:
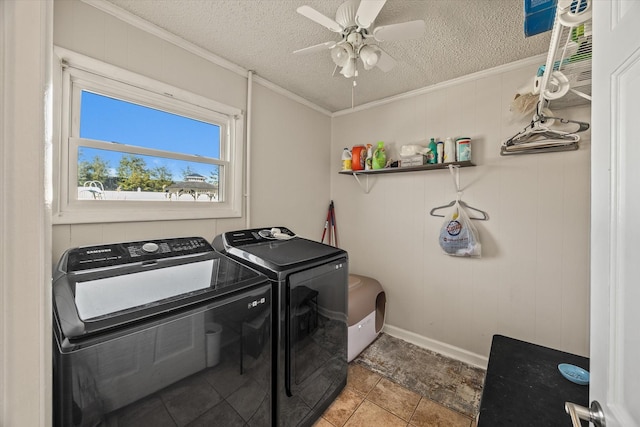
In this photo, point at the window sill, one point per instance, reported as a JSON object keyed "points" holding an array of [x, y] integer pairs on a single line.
{"points": [[165, 211]]}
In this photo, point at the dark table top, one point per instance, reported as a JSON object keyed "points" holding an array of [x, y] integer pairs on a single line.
{"points": [[523, 386]]}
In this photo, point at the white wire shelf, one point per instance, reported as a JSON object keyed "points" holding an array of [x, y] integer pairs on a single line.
{"points": [[566, 77]]}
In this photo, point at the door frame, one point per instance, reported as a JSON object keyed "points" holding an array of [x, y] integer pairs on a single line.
{"points": [[26, 115]]}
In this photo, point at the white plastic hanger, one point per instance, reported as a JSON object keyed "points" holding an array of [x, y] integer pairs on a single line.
{"points": [[538, 137]]}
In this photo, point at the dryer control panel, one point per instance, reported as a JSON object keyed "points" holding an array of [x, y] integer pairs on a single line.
{"points": [[90, 257], [256, 235]]}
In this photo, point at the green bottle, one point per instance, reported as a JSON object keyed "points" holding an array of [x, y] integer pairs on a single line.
{"points": [[432, 156], [379, 157]]}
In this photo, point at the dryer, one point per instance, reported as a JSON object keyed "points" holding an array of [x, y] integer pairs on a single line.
{"points": [[310, 286]]}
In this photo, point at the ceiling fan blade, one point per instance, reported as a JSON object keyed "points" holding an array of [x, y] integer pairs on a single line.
{"points": [[316, 16], [402, 31], [315, 48], [368, 11], [385, 62]]}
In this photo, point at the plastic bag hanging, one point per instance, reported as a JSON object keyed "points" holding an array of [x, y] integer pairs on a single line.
{"points": [[458, 236]]}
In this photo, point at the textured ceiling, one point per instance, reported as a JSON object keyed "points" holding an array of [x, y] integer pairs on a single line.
{"points": [[462, 37]]}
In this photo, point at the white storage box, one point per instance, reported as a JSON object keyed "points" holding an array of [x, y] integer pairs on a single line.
{"points": [[367, 304], [416, 160]]}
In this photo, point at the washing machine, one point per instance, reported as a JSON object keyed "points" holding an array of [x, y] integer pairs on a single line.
{"points": [[161, 332], [310, 282]]}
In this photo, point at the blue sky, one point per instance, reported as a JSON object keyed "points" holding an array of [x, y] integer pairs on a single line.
{"points": [[112, 120]]}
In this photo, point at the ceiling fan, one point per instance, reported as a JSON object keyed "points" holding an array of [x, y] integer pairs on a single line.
{"points": [[354, 21]]}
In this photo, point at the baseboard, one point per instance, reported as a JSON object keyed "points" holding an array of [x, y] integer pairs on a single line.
{"points": [[437, 346]]}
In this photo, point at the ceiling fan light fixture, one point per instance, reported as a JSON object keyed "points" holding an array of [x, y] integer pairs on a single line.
{"points": [[369, 56], [349, 69], [355, 22], [340, 55]]}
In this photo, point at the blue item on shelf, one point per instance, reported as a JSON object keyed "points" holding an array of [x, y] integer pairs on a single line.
{"points": [[538, 16]]}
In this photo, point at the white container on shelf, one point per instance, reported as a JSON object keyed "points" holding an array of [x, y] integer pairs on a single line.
{"points": [[449, 150]]}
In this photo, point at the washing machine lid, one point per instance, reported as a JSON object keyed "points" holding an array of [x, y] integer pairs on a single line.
{"points": [[103, 287], [257, 248], [107, 296]]}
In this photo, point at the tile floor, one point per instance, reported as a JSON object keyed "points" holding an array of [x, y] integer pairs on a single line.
{"points": [[395, 383]]}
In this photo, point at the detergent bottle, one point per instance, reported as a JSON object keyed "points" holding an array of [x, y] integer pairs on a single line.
{"points": [[379, 157], [358, 157], [346, 159], [432, 155], [369, 161]]}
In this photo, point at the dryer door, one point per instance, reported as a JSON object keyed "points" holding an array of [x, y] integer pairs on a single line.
{"points": [[316, 328]]}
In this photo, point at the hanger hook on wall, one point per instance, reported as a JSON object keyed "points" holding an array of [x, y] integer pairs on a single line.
{"points": [[455, 173]]}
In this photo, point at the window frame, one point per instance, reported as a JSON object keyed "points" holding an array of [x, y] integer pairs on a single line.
{"points": [[77, 73]]}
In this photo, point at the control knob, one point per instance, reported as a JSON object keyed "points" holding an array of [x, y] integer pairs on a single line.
{"points": [[150, 247]]}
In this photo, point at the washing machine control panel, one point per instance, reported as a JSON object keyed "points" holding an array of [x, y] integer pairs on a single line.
{"points": [[90, 257]]}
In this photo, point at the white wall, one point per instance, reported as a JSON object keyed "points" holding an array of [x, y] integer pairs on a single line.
{"points": [[290, 159], [287, 192], [532, 282]]}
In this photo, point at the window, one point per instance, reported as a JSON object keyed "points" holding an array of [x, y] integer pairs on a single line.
{"points": [[135, 149]]}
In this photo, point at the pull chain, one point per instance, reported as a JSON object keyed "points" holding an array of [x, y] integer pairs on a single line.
{"points": [[353, 89]]}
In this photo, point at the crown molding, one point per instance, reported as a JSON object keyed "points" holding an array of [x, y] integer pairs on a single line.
{"points": [[279, 89], [165, 35], [531, 61]]}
